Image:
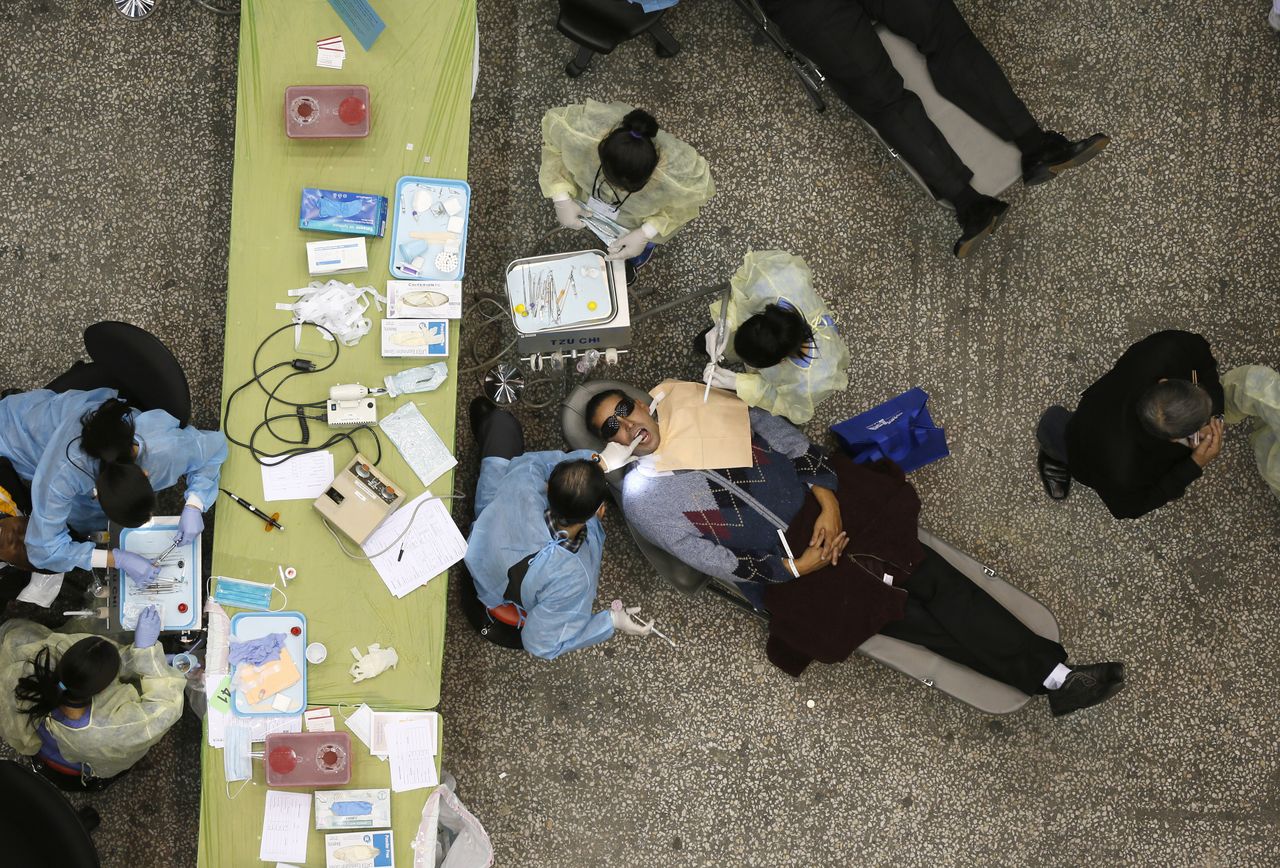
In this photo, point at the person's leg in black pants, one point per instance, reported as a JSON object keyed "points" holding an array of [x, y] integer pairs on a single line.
{"points": [[1051, 432], [961, 67], [952, 616], [839, 37], [496, 431]]}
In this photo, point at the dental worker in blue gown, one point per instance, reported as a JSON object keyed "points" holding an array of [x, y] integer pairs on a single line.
{"points": [[90, 457], [537, 539]]}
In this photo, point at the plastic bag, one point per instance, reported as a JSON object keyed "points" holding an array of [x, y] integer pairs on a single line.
{"points": [[449, 835]]}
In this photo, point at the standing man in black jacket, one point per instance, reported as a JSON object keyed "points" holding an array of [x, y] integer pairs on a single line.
{"points": [[1142, 433]]}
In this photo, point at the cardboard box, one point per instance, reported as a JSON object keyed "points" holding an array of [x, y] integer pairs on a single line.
{"points": [[353, 809], [342, 213], [359, 850], [338, 256], [424, 299], [415, 338]]}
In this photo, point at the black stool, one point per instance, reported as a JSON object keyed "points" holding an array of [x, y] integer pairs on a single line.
{"points": [[40, 827], [597, 26]]}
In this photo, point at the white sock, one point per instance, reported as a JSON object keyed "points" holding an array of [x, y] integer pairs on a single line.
{"points": [[1057, 676]]}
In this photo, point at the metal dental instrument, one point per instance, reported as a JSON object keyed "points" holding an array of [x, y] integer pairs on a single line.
{"points": [[662, 636], [724, 318], [164, 554]]}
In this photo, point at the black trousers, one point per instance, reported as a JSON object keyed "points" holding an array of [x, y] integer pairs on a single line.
{"points": [[839, 37], [950, 615], [1051, 431], [499, 436]]}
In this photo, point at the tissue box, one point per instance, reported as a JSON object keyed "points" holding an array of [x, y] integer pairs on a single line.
{"points": [[353, 809], [338, 256], [359, 850], [343, 213]]}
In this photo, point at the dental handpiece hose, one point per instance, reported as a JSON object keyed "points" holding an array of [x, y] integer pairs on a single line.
{"points": [[253, 509]]}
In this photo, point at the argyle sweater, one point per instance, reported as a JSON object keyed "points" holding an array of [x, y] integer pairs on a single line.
{"points": [[701, 520]]}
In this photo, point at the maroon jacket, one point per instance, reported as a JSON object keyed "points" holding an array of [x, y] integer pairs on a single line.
{"points": [[826, 615]]}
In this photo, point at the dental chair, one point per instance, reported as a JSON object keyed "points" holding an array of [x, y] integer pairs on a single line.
{"points": [[996, 164], [43, 827], [135, 363], [598, 26], [985, 694]]}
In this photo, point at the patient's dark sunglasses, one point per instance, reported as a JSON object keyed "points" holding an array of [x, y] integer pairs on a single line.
{"points": [[610, 427]]}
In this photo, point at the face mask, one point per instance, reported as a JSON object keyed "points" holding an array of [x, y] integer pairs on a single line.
{"points": [[243, 595], [236, 762]]}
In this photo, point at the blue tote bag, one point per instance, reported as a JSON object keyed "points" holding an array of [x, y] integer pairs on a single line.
{"points": [[900, 429]]}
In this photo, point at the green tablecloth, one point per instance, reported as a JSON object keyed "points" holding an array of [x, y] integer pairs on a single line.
{"points": [[231, 829], [419, 74]]}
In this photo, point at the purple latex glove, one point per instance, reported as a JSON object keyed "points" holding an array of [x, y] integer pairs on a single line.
{"points": [[147, 630], [190, 524], [139, 570]]}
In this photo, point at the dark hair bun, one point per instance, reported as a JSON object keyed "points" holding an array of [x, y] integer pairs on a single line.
{"points": [[640, 121]]}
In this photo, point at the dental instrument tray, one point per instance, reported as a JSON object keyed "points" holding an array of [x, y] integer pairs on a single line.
{"points": [[177, 589], [429, 233], [326, 111], [561, 291], [262, 680]]}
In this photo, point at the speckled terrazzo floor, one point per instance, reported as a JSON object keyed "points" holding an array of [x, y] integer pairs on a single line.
{"points": [[631, 753]]}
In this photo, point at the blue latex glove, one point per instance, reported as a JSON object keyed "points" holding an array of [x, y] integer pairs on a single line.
{"points": [[147, 630], [139, 570], [190, 524]]}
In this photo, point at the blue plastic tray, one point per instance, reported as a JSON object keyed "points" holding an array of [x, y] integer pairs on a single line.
{"points": [[405, 248], [252, 625], [179, 607]]}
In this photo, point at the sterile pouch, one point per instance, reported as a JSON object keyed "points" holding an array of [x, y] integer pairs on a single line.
{"points": [[419, 444], [426, 378], [259, 683]]}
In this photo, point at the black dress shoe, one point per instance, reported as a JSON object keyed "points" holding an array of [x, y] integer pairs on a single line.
{"points": [[978, 221], [479, 409], [1055, 476], [1059, 154], [1085, 686]]}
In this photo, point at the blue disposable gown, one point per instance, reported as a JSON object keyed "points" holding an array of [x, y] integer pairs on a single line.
{"points": [[63, 479], [559, 589]]}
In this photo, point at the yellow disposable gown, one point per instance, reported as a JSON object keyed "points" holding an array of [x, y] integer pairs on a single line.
{"points": [[794, 387], [680, 185], [1254, 391], [124, 721]]}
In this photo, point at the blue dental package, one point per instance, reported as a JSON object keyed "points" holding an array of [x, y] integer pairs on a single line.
{"points": [[343, 213]]}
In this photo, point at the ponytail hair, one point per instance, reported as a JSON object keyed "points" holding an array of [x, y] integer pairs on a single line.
{"points": [[628, 154], [107, 432], [774, 334], [124, 492], [86, 669]]}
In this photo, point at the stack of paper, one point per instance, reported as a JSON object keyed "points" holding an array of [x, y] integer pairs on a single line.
{"points": [[418, 552], [286, 822], [330, 52]]}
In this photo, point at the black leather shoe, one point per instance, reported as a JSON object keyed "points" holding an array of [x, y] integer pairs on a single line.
{"points": [[1059, 154], [978, 222], [477, 411], [1055, 476], [1085, 686]]}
